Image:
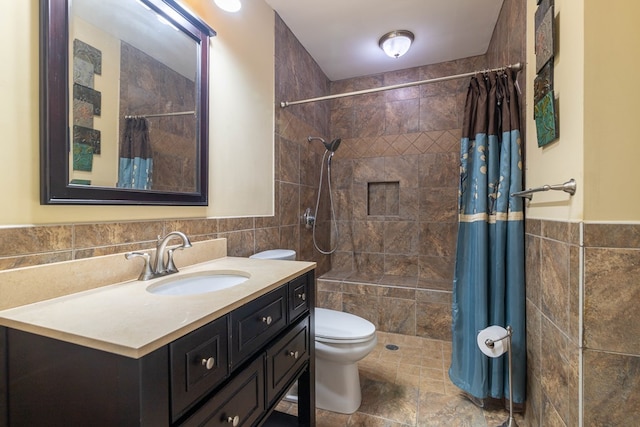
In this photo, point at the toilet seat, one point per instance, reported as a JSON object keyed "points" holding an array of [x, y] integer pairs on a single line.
{"points": [[342, 328]]}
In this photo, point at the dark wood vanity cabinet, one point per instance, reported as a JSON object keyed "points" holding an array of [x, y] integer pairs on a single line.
{"points": [[230, 372], [198, 363], [298, 296], [240, 402], [285, 357], [255, 324]]}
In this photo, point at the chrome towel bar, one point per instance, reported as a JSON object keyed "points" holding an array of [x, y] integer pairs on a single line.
{"points": [[567, 187]]}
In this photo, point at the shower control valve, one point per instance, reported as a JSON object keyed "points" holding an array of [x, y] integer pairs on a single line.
{"points": [[307, 219]]}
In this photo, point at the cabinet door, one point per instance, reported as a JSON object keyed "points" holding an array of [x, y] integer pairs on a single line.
{"points": [[285, 358], [239, 403], [58, 384], [255, 323], [298, 296], [199, 362]]}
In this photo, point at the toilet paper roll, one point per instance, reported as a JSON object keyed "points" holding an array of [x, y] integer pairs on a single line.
{"points": [[493, 333]]}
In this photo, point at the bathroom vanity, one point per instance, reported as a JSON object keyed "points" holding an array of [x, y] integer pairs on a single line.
{"points": [[229, 367]]}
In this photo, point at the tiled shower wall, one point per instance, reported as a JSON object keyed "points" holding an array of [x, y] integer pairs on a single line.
{"points": [[396, 180], [396, 185], [296, 171], [173, 138], [603, 267]]}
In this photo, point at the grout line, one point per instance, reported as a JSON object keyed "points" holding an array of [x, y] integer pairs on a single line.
{"points": [[581, 327]]}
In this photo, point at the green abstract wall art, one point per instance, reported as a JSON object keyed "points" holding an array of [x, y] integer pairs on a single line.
{"points": [[546, 119], [82, 157]]}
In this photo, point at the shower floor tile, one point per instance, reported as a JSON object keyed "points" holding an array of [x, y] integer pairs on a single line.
{"points": [[409, 386]]}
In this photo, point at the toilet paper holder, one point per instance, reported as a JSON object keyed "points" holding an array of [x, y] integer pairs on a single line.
{"points": [[490, 343]]}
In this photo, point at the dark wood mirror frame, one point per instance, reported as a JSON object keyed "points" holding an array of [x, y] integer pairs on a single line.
{"points": [[54, 113]]}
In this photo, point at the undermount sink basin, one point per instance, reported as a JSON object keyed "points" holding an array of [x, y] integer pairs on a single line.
{"points": [[198, 283]]}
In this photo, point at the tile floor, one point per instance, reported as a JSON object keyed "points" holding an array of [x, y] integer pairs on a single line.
{"points": [[409, 387]]}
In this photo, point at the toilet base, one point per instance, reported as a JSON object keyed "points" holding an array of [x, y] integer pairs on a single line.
{"points": [[337, 386], [335, 392], [292, 394]]}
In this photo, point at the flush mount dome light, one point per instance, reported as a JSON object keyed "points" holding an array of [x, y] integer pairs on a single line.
{"points": [[228, 5], [396, 43]]}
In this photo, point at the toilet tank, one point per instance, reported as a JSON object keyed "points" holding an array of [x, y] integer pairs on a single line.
{"points": [[283, 254]]}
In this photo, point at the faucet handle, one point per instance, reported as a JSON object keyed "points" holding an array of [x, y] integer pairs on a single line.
{"points": [[171, 266], [147, 273]]}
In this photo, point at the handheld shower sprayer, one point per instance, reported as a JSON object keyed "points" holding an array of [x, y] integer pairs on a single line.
{"points": [[310, 221], [330, 146]]}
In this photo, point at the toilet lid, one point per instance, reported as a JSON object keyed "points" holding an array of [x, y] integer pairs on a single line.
{"points": [[287, 254], [338, 325]]}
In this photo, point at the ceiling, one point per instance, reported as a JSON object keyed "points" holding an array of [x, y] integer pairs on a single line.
{"points": [[342, 35], [138, 26]]}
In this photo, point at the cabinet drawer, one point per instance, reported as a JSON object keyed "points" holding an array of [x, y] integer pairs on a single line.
{"points": [[199, 362], [298, 296], [254, 324], [243, 398], [285, 357]]}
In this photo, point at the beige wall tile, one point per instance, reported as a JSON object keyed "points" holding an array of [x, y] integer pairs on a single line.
{"points": [[33, 240], [611, 389], [611, 295], [554, 277]]}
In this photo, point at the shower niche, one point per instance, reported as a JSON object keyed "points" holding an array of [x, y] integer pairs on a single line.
{"points": [[383, 198]]}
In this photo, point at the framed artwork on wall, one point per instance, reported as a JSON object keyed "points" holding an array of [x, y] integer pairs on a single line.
{"points": [[545, 103]]}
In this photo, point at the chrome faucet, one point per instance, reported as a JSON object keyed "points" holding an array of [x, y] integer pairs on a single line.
{"points": [[159, 267]]}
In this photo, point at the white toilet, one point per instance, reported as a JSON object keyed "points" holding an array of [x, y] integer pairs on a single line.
{"points": [[342, 339], [287, 254]]}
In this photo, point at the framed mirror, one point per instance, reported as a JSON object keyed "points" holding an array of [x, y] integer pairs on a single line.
{"points": [[124, 103]]}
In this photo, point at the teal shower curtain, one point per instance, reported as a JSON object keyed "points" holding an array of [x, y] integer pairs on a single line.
{"points": [[135, 169], [488, 286]]}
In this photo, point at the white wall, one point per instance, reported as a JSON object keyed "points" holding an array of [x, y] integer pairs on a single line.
{"points": [[242, 108], [563, 159], [105, 166], [596, 58], [612, 110]]}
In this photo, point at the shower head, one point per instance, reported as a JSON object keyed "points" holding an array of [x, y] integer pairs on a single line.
{"points": [[330, 146], [334, 145]]}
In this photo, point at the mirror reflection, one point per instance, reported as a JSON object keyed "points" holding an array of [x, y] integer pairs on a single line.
{"points": [[133, 98], [124, 103]]}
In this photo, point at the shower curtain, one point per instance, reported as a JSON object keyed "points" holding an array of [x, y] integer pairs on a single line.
{"points": [[136, 162], [488, 286]]}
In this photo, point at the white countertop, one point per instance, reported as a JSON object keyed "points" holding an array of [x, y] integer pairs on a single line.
{"points": [[125, 319]]}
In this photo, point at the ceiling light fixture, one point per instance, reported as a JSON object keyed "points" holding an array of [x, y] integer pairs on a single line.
{"points": [[396, 43], [228, 5]]}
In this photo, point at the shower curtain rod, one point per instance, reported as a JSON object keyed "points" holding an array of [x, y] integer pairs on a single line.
{"points": [[284, 104], [180, 113]]}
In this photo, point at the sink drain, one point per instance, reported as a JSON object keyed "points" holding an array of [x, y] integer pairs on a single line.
{"points": [[392, 347]]}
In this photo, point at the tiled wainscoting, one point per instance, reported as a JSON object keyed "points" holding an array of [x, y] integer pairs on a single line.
{"points": [[26, 246], [392, 303], [583, 323]]}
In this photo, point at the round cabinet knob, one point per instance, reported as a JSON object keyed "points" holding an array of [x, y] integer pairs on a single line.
{"points": [[267, 320], [209, 363], [234, 421], [294, 354], [302, 296]]}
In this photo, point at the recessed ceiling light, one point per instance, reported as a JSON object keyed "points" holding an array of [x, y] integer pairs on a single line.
{"points": [[228, 5]]}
